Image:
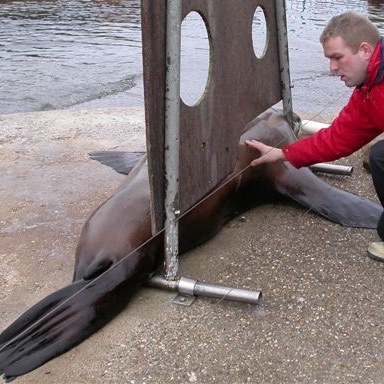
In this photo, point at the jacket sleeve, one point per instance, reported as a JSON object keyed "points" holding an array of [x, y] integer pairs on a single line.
{"points": [[351, 130]]}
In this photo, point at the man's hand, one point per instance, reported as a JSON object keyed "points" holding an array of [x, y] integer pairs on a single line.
{"points": [[268, 154]]}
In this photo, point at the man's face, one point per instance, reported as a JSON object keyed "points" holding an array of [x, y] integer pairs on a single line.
{"points": [[351, 67]]}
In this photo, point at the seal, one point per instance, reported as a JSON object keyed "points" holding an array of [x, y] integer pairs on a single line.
{"points": [[117, 252]]}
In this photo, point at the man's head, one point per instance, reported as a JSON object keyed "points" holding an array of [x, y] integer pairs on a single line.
{"points": [[348, 41]]}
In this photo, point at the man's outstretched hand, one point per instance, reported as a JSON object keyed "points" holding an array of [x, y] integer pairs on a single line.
{"points": [[268, 154]]}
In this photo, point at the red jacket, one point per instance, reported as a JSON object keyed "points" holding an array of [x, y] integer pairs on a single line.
{"points": [[361, 120]]}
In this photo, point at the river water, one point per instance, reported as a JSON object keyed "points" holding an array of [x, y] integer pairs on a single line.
{"points": [[87, 53]]}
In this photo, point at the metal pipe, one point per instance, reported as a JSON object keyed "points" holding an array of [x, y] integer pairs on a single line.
{"points": [[285, 79], [309, 127], [172, 136], [334, 169], [193, 287]]}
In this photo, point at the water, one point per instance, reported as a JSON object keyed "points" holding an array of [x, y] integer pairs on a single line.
{"points": [[63, 53], [87, 53]]}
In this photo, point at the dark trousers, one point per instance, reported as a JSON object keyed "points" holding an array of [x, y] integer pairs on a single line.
{"points": [[376, 162]]}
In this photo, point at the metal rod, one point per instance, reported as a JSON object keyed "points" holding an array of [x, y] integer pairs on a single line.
{"points": [[334, 169], [172, 136], [285, 79], [193, 287], [309, 127]]}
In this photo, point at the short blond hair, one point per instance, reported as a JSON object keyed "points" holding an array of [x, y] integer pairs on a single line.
{"points": [[353, 28]]}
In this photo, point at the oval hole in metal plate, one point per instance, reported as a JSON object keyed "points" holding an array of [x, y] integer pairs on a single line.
{"points": [[259, 33], [195, 59]]}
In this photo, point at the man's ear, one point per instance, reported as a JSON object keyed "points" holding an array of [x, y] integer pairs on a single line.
{"points": [[366, 50]]}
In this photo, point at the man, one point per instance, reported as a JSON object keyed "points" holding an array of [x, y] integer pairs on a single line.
{"points": [[356, 53]]}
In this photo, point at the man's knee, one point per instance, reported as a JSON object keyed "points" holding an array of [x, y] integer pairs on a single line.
{"points": [[376, 157]]}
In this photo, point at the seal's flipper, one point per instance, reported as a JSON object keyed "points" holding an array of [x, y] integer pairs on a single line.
{"points": [[65, 318], [121, 162], [36, 336], [334, 204]]}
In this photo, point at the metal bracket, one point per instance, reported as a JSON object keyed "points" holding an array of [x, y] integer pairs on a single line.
{"points": [[185, 300]]}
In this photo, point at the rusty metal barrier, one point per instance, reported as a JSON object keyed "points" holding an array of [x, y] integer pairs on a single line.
{"points": [[205, 136]]}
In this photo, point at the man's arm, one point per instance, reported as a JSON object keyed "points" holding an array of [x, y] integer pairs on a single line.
{"points": [[348, 132]]}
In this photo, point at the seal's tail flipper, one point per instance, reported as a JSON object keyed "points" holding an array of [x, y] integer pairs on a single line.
{"points": [[332, 203], [31, 339], [36, 335], [63, 320], [121, 162]]}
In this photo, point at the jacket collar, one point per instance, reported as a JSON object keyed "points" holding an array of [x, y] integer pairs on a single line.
{"points": [[375, 71]]}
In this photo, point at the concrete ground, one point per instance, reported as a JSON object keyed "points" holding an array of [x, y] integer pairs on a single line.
{"points": [[321, 319]]}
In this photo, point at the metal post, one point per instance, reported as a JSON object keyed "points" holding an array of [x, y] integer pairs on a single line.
{"points": [[171, 160], [285, 79], [172, 136]]}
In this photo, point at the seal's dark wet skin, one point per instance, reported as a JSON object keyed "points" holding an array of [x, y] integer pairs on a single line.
{"points": [[116, 251]]}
